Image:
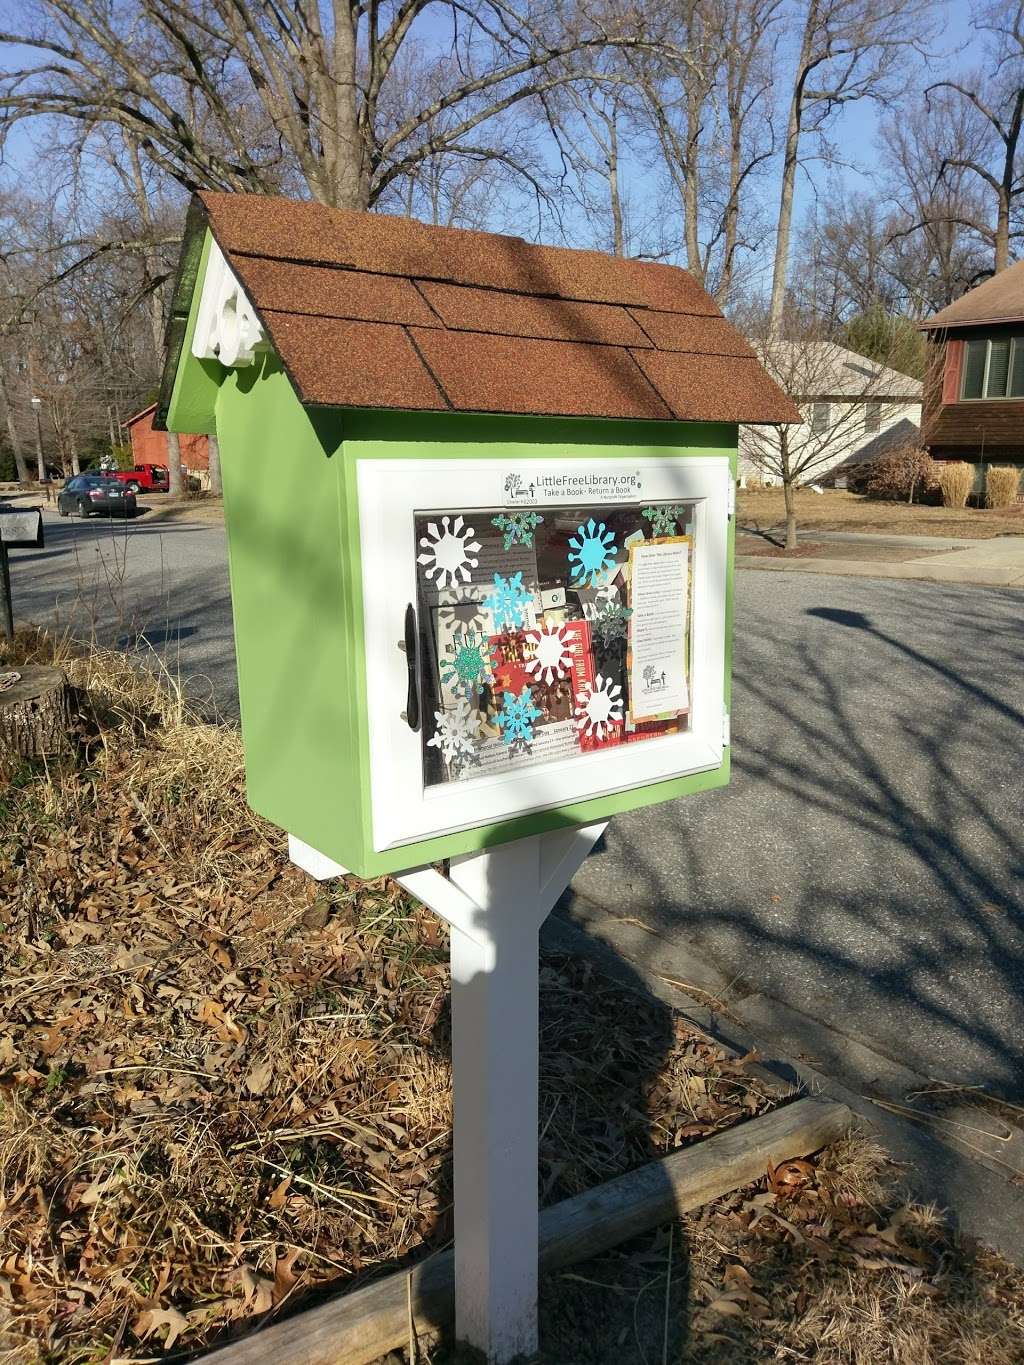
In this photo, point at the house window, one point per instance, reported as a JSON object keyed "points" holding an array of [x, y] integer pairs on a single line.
{"points": [[872, 419], [993, 368], [820, 417]]}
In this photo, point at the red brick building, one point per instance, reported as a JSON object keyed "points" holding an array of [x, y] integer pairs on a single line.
{"points": [[150, 447]]}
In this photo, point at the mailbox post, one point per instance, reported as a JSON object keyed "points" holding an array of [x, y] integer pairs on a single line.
{"points": [[23, 527], [478, 497]]}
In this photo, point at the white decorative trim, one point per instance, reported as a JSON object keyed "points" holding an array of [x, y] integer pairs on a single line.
{"points": [[227, 328], [311, 860]]}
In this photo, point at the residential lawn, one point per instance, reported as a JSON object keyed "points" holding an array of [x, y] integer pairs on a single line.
{"points": [[198, 507], [762, 508]]}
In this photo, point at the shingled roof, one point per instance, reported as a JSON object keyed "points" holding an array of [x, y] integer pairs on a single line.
{"points": [[999, 300], [371, 311]]}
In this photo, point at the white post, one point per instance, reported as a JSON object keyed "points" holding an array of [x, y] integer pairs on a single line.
{"points": [[494, 1059], [495, 903]]}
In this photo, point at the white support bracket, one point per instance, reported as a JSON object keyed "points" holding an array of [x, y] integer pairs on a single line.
{"points": [[495, 903]]}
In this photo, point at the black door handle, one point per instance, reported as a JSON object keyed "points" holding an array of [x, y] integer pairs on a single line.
{"points": [[412, 705]]}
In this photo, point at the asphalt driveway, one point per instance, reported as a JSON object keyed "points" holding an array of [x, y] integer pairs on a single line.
{"points": [[865, 865]]}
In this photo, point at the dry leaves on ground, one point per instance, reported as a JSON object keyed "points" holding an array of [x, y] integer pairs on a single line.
{"points": [[221, 1086]]}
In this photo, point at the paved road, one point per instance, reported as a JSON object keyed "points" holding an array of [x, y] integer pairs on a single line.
{"points": [[865, 865], [162, 585]]}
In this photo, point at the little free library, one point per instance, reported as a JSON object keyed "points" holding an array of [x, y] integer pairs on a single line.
{"points": [[478, 499]]}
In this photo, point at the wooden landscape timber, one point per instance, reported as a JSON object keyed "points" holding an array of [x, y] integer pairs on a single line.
{"points": [[38, 712], [357, 1328]]}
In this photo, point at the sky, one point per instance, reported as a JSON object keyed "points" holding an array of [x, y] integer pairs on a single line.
{"points": [[856, 131]]}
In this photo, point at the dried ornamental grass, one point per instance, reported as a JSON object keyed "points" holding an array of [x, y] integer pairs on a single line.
{"points": [[956, 479], [1002, 485], [221, 1086]]}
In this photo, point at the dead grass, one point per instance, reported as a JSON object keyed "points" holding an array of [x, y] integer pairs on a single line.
{"points": [[835, 510], [827, 1263], [221, 1087], [192, 507]]}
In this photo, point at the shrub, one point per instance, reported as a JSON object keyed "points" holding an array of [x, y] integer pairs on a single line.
{"points": [[1002, 485], [899, 473], [956, 479]]}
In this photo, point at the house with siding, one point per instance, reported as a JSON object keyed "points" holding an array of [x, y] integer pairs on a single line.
{"points": [[854, 410], [149, 446], [974, 385]]}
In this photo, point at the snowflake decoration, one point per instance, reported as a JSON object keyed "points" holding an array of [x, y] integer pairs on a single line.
{"points": [[663, 519], [450, 552], [458, 608], [468, 663], [609, 625], [454, 735], [517, 716], [592, 554], [553, 656], [598, 708], [508, 601], [518, 527]]}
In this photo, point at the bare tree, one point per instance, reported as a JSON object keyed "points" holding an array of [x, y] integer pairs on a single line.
{"points": [[848, 50], [272, 95], [589, 122], [837, 394], [13, 434], [995, 96]]}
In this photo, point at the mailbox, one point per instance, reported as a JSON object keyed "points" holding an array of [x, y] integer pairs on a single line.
{"points": [[21, 527], [479, 499]]}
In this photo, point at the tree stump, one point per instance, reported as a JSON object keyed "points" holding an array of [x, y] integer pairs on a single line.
{"points": [[38, 712]]}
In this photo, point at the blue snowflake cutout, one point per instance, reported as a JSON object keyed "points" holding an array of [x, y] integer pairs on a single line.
{"points": [[518, 527], [516, 718], [663, 519], [508, 601], [592, 553]]}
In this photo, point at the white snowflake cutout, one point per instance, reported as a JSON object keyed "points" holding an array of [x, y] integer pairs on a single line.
{"points": [[598, 707], [553, 656], [454, 733], [450, 552]]}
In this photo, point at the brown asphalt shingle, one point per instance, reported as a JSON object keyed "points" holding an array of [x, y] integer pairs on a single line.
{"points": [[999, 300], [333, 293], [482, 373], [372, 311], [715, 388], [522, 315], [353, 364]]}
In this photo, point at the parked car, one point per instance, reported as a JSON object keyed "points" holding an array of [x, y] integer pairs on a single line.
{"points": [[88, 493], [154, 478]]}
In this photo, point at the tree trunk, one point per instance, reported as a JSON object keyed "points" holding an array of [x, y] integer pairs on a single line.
{"points": [[789, 496], [38, 714], [1002, 243], [175, 479], [618, 229], [794, 128], [213, 445], [20, 463], [344, 148]]}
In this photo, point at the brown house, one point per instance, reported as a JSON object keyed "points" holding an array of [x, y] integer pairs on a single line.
{"points": [[974, 384]]}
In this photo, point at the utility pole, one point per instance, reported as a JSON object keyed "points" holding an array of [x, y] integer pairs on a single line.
{"points": [[37, 404]]}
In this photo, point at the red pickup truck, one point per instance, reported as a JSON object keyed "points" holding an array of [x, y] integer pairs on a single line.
{"points": [[149, 477]]}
